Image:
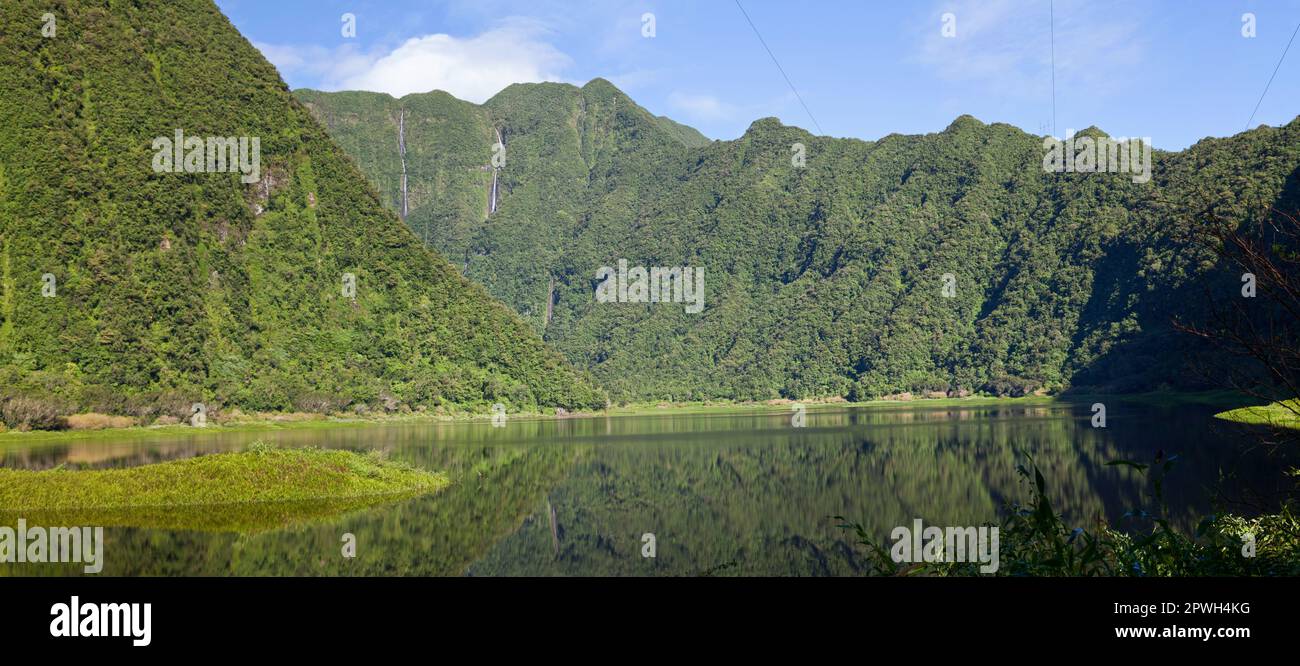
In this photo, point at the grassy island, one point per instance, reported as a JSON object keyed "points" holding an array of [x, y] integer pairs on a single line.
{"points": [[261, 488], [1275, 414]]}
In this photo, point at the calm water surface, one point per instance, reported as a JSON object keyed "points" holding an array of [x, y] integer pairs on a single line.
{"points": [[724, 494]]}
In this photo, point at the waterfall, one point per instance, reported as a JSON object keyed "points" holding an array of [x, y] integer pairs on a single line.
{"points": [[402, 152], [492, 202]]}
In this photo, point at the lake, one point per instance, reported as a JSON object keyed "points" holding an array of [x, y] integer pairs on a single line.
{"points": [[723, 493]]}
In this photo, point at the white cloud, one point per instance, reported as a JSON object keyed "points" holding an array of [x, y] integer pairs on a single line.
{"points": [[471, 68]]}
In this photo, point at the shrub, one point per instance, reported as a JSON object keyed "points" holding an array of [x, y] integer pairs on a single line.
{"points": [[149, 405], [319, 402], [1012, 386], [96, 421], [23, 413]]}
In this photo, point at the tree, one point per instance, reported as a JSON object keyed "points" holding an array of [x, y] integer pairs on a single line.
{"points": [[1258, 325]]}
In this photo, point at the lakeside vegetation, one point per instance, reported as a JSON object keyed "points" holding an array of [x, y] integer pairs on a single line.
{"points": [[1276, 415], [306, 421], [257, 489]]}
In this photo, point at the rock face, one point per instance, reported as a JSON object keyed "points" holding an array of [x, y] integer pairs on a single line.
{"points": [[324, 298]]}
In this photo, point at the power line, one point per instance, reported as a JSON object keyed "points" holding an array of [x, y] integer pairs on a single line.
{"points": [[1052, 28], [780, 68], [1270, 79]]}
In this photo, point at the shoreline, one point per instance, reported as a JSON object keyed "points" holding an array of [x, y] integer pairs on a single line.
{"points": [[275, 422]]}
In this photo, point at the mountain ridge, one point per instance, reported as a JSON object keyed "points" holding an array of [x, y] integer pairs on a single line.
{"points": [[826, 276]]}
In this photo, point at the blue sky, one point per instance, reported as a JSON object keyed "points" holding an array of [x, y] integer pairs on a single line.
{"points": [[1173, 70]]}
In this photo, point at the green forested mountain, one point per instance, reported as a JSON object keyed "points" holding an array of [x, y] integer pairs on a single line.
{"points": [[821, 279], [126, 289]]}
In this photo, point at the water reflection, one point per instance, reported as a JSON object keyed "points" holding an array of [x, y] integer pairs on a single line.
{"points": [[724, 494]]}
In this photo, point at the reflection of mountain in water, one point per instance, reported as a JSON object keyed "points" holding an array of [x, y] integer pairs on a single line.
{"points": [[725, 494], [761, 503]]}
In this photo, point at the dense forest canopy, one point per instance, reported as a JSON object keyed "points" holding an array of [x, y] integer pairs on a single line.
{"points": [[827, 259], [126, 287]]}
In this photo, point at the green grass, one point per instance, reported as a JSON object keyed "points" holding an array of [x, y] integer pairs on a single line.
{"points": [[262, 488], [1277, 415], [14, 437], [1160, 398], [1155, 398], [650, 408]]}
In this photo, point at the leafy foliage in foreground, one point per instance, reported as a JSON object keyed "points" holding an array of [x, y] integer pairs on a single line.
{"points": [[822, 280], [176, 288], [1036, 541]]}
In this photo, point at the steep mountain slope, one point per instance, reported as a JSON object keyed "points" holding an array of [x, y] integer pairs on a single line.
{"points": [[555, 133], [827, 277], [229, 288]]}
